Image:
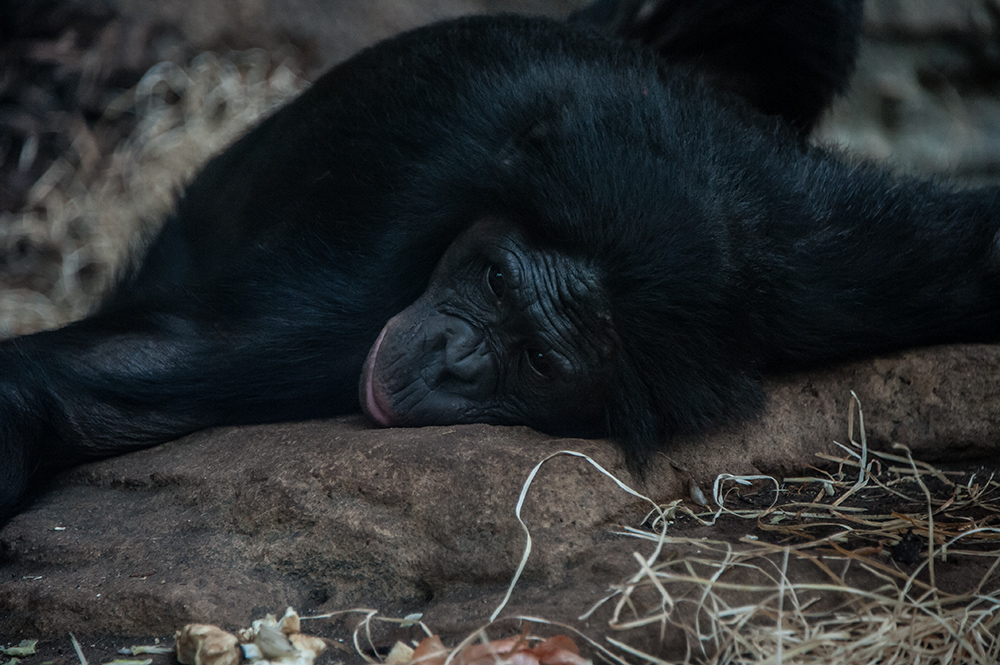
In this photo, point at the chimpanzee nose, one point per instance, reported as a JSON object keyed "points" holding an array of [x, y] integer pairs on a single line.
{"points": [[462, 362]]}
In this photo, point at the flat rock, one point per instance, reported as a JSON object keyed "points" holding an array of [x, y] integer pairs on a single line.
{"points": [[227, 524]]}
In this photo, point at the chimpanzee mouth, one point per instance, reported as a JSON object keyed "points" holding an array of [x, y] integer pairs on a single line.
{"points": [[372, 401]]}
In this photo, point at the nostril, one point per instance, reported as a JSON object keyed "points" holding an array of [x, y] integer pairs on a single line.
{"points": [[464, 361], [433, 339], [469, 364], [451, 335]]}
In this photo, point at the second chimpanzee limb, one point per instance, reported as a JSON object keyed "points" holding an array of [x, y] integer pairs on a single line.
{"points": [[785, 57], [883, 263]]}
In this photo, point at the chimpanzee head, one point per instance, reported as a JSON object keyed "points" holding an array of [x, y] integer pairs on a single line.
{"points": [[506, 332], [513, 329]]}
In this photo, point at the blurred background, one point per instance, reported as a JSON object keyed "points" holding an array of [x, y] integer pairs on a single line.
{"points": [[108, 106]]}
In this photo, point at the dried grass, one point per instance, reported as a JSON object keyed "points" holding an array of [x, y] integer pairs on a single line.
{"points": [[897, 616], [89, 211]]}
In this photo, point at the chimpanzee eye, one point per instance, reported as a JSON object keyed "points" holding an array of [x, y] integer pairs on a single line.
{"points": [[495, 280], [540, 363]]}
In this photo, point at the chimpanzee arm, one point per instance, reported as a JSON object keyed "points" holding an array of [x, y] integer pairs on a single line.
{"points": [[882, 263], [94, 388], [138, 375]]}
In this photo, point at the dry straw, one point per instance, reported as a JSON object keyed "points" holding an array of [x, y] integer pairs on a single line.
{"points": [[898, 615]]}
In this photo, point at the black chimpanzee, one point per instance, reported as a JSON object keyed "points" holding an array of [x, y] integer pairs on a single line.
{"points": [[608, 241]]}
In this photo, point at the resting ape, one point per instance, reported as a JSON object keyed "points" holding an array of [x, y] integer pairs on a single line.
{"points": [[612, 243]]}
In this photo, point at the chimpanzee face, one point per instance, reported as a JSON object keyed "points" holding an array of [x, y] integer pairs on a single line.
{"points": [[505, 333]]}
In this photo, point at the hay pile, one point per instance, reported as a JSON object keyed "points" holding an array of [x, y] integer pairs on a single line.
{"points": [[843, 568]]}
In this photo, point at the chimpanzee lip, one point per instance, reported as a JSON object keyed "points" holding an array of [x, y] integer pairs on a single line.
{"points": [[372, 402]]}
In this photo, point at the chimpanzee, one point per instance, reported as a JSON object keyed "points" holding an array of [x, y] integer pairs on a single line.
{"points": [[550, 225]]}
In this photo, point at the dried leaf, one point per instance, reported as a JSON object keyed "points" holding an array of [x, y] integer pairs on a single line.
{"points": [[201, 644]]}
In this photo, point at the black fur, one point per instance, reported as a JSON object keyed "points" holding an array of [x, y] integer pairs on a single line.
{"points": [[786, 57], [723, 245]]}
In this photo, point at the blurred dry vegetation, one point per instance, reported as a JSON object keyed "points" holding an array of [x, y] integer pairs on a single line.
{"points": [[107, 107]]}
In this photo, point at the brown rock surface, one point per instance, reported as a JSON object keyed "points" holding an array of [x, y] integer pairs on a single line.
{"points": [[227, 524]]}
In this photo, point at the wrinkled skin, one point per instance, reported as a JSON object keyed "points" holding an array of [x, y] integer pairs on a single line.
{"points": [[505, 333]]}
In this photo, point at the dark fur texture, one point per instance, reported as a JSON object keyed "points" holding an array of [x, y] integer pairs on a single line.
{"points": [[725, 247], [786, 57]]}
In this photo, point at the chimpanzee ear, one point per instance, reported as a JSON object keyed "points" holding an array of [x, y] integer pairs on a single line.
{"points": [[788, 58]]}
